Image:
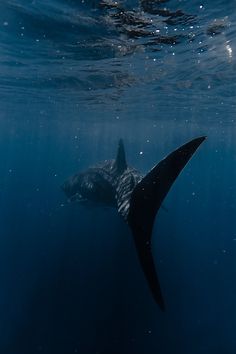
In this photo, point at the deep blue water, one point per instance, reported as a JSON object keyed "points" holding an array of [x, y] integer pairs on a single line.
{"points": [[75, 76]]}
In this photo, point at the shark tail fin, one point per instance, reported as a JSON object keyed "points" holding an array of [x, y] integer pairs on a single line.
{"points": [[148, 266], [120, 162], [145, 202]]}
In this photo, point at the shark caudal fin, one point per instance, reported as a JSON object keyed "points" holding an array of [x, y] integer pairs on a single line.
{"points": [[145, 202], [120, 161]]}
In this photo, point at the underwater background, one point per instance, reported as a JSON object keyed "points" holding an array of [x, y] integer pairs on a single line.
{"points": [[75, 77]]}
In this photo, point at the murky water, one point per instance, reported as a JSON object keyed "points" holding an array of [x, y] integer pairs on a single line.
{"points": [[74, 78]]}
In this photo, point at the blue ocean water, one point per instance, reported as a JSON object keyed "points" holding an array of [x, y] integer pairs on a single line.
{"points": [[75, 76]]}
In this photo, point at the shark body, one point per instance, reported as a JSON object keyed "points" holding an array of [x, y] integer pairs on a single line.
{"points": [[136, 197]]}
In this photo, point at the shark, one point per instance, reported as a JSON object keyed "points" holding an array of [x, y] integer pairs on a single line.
{"points": [[137, 198]]}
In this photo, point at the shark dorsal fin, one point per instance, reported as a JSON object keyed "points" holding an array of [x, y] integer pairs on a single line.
{"points": [[120, 162]]}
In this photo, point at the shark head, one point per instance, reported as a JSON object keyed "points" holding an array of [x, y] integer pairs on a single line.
{"points": [[90, 185], [97, 184], [72, 187]]}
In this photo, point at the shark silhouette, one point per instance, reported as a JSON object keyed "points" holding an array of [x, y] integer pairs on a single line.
{"points": [[137, 198]]}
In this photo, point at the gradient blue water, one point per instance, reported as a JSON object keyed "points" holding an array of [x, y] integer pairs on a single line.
{"points": [[71, 84]]}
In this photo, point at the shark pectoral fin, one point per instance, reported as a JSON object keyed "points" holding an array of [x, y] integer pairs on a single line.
{"points": [[147, 263], [146, 200]]}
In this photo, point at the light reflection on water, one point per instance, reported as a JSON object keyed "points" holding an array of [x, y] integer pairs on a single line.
{"points": [[54, 55]]}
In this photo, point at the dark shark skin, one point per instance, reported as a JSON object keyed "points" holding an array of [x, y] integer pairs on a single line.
{"points": [[136, 198]]}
